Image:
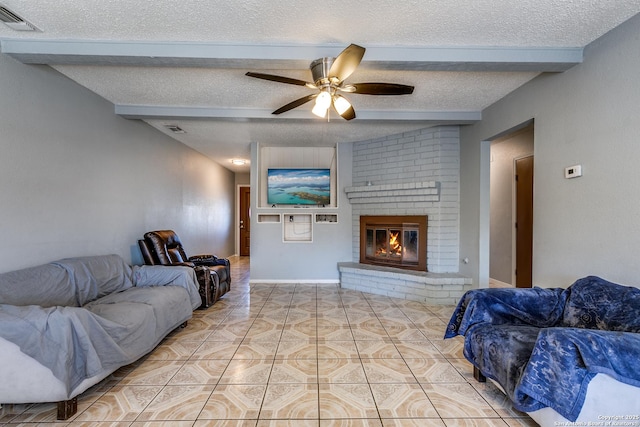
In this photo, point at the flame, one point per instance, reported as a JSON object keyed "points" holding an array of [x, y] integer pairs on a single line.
{"points": [[394, 244], [395, 248]]}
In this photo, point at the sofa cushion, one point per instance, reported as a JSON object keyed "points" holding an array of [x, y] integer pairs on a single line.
{"points": [[594, 303], [70, 282], [97, 276], [168, 307], [532, 307], [45, 285]]}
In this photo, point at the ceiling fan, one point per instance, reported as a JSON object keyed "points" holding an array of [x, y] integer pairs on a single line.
{"points": [[329, 75]]}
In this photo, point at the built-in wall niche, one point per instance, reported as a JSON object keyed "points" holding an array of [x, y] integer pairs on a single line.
{"points": [[297, 227], [326, 218], [312, 164], [268, 218]]}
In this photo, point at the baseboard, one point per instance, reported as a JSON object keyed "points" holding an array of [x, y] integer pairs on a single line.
{"points": [[302, 282]]}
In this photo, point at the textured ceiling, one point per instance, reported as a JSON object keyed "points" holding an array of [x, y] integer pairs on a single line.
{"points": [[183, 62]]}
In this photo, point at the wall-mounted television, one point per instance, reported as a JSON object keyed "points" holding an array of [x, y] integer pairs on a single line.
{"points": [[308, 186]]}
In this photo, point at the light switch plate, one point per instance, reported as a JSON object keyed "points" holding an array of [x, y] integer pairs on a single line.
{"points": [[573, 171]]}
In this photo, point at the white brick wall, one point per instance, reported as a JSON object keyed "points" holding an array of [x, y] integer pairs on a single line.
{"points": [[430, 154]]}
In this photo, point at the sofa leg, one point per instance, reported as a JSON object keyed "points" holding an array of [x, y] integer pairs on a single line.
{"points": [[67, 408], [184, 325], [478, 375]]}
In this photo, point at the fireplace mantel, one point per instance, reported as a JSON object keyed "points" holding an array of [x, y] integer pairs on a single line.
{"points": [[426, 191]]}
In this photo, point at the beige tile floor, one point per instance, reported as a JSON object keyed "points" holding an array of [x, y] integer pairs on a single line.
{"points": [[294, 355]]}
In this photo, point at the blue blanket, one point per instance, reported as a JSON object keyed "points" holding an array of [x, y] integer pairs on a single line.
{"points": [[543, 346]]}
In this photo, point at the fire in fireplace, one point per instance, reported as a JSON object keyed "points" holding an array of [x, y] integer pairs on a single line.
{"points": [[394, 240]]}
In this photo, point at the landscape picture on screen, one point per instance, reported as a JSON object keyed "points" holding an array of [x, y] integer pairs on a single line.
{"points": [[299, 186]]}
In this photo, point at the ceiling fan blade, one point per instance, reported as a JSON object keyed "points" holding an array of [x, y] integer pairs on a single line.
{"points": [[382, 89], [279, 79], [294, 104], [346, 63]]}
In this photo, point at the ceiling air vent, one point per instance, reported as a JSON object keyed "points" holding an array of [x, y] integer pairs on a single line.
{"points": [[13, 21], [175, 128]]}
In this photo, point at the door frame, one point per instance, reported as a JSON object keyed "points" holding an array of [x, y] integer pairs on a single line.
{"points": [[237, 219], [484, 229]]}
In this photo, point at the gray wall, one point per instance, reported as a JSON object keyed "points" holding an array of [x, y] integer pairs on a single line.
{"points": [[273, 260], [243, 178], [77, 180], [587, 115]]}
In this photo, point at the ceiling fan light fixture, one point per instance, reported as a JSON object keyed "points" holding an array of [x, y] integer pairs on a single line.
{"points": [[329, 75], [341, 104], [323, 102], [319, 111]]}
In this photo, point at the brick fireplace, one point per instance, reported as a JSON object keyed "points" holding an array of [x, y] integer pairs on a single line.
{"points": [[414, 174]]}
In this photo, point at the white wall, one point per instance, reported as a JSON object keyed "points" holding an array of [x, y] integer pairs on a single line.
{"points": [[75, 179], [587, 115]]}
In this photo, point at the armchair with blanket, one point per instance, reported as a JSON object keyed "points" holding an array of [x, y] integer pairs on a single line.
{"points": [[561, 355], [163, 247]]}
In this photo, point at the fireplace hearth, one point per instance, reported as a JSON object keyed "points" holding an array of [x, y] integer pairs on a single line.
{"points": [[394, 240]]}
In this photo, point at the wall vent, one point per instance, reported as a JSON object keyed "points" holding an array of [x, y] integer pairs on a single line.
{"points": [[175, 128], [15, 22]]}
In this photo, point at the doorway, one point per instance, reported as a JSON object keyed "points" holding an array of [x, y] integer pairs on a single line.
{"points": [[524, 222], [511, 208], [245, 221]]}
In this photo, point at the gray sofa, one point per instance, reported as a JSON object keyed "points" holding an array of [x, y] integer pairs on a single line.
{"points": [[66, 325]]}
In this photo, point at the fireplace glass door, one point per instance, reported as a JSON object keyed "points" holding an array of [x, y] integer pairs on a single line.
{"points": [[398, 241], [393, 244]]}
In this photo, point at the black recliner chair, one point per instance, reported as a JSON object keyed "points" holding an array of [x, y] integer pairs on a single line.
{"points": [[163, 247]]}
